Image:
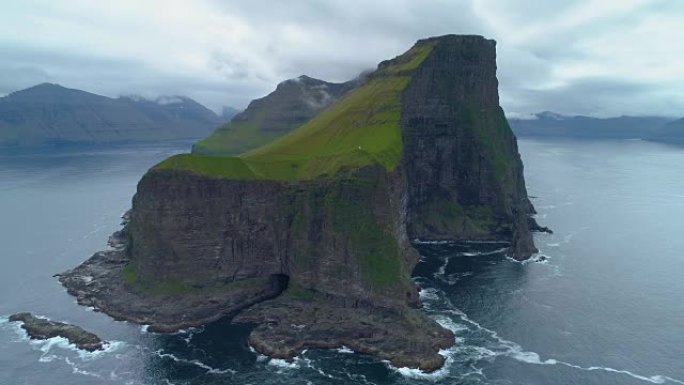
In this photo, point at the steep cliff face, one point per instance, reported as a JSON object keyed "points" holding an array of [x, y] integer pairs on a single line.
{"points": [[308, 237], [189, 231], [461, 157]]}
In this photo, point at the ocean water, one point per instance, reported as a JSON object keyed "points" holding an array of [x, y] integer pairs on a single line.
{"points": [[605, 307]]}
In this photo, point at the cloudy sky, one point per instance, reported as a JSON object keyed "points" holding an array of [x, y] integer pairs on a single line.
{"points": [[593, 57]]}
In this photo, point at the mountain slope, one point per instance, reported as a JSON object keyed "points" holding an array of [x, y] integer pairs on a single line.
{"points": [[672, 132], [362, 128], [49, 114], [292, 104]]}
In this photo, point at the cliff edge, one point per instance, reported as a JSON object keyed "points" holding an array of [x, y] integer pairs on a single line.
{"points": [[309, 237]]}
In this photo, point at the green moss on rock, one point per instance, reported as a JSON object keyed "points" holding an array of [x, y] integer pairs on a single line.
{"points": [[492, 132], [371, 240]]}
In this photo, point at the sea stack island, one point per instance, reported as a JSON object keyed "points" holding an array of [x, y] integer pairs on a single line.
{"points": [[299, 216]]}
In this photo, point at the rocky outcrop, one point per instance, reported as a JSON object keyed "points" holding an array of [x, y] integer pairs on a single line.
{"points": [[43, 329], [404, 337], [461, 158], [323, 259], [104, 283]]}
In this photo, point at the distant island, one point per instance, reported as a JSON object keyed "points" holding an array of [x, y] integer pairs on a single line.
{"points": [[49, 114], [299, 216], [553, 125]]}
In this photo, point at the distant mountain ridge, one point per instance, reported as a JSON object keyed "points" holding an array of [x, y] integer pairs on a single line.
{"points": [[550, 124], [51, 114]]}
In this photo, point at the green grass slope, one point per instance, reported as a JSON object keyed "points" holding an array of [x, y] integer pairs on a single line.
{"points": [[235, 137], [361, 129], [290, 105]]}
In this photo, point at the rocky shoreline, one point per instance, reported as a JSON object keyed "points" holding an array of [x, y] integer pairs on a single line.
{"points": [[42, 329], [286, 324], [404, 337], [100, 283]]}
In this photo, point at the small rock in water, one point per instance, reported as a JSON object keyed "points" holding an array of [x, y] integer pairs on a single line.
{"points": [[43, 329], [118, 239]]}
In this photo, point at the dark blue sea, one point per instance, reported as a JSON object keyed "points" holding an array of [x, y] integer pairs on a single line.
{"points": [[605, 307]]}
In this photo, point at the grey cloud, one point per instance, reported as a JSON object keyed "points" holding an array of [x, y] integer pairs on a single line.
{"points": [[602, 97], [229, 66], [17, 76], [336, 40]]}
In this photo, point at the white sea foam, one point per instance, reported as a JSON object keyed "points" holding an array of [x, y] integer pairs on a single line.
{"points": [[442, 269], [426, 242], [76, 370], [16, 328], [189, 333], [501, 347], [515, 351], [434, 376], [47, 346], [320, 371], [260, 357], [358, 378], [419, 374], [284, 364], [109, 347], [428, 294], [539, 257], [655, 379], [449, 324], [190, 330], [485, 242], [220, 371], [511, 259], [483, 253], [345, 350], [448, 354], [208, 368], [419, 241]]}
